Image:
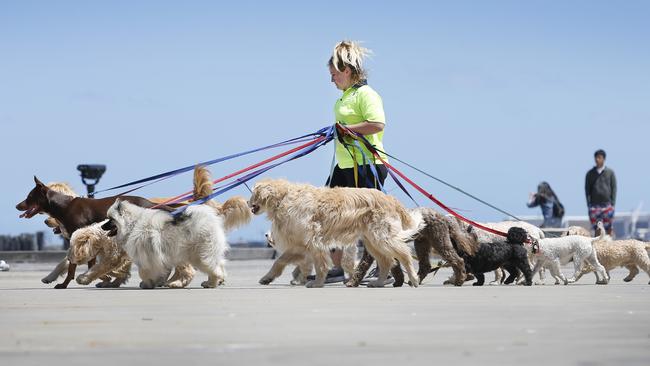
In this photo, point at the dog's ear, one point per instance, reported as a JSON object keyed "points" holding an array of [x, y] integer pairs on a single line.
{"points": [[38, 182]]}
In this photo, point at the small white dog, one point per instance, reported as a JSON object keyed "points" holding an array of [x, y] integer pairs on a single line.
{"points": [[553, 252], [157, 242]]}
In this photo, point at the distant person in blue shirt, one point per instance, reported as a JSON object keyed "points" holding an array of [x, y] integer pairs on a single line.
{"points": [[552, 209]]}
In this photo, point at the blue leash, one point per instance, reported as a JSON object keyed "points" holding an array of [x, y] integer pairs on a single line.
{"points": [[249, 176], [171, 173]]}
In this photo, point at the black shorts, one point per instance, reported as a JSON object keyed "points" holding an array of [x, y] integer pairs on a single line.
{"points": [[345, 177]]}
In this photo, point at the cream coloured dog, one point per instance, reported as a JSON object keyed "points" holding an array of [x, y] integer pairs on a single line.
{"points": [[309, 220], [305, 265]]}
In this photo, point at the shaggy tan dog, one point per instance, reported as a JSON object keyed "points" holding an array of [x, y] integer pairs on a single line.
{"points": [[631, 254], [310, 220], [92, 242]]}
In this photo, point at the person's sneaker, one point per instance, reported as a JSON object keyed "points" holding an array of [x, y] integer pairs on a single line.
{"points": [[4, 266], [335, 274], [372, 275]]}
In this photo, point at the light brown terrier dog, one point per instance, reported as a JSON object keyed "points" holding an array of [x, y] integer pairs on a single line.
{"points": [[92, 242]]}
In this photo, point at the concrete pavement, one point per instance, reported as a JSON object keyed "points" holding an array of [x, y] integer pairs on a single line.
{"points": [[245, 323]]}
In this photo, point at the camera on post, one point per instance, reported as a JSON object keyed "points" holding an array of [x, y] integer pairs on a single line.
{"points": [[90, 175]]}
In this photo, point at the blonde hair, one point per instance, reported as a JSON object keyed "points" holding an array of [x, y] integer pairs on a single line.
{"points": [[350, 54]]}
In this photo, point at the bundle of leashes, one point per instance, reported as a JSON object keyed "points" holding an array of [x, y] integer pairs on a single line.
{"points": [[343, 130], [311, 142], [314, 141]]}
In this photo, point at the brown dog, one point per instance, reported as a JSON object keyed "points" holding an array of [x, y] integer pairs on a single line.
{"points": [[72, 213]]}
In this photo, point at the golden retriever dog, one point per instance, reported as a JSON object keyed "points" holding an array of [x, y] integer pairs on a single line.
{"points": [[92, 242], [309, 220]]}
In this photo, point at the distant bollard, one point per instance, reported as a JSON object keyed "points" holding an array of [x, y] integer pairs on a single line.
{"points": [[40, 240]]}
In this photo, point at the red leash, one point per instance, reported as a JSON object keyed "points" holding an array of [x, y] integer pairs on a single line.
{"points": [[315, 141], [437, 202], [420, 189]]}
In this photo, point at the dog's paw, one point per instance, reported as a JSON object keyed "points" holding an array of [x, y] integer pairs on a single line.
{"points": [[208, 284], [602, 282], [351, 283], [175, 284], [494, 283], [410, 283], [60, 286], [297, 282], [147, 285], [47, 280], [313, 284], [83, 279], [628, 279], [265, 280], [104, 284], [376, 283]]}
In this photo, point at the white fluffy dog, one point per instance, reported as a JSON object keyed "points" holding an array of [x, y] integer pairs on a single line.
{"points": [[553, 252], [157, 242], [310, 220]]}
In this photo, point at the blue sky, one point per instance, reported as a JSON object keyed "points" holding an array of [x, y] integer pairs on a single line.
{"points": [[491, 96]]}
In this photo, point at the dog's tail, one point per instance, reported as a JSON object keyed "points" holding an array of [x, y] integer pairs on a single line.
{"points": [[602, 233], [465, 241], [412, 223], [235, 212], [202, 182]]}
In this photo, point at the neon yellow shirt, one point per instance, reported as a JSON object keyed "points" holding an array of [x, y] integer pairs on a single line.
{"points": [[356, 105]]}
